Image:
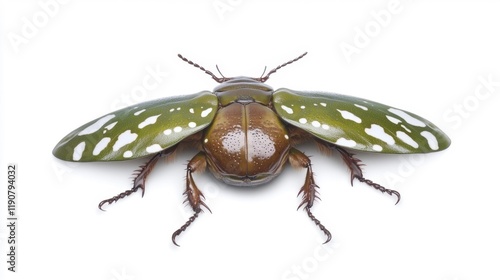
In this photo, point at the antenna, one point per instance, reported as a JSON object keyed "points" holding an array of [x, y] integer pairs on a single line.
{"points": [[217, 79], [222, 79], [264, 79]]}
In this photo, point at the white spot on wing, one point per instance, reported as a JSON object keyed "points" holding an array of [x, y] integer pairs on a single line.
{"points": [[111, 125], [128, 154], [287, 109], [361, 107], [407, 139], [177, 129], [378, 132], [431, 139], [345, 142], [349, 116], [148, 121], [78, 151], [154, 148], [139, 112], [406, 128], [101, 146], [205, 112], [302, 107], [409, 119], [316, 124], [322, 104], [393, 119], [325, 126], [124, 139], [192, 124], [96, 126], [167, 132], [302, 120], [191, 110], [377, 148]]}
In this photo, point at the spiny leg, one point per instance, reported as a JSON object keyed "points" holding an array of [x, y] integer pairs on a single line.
{"points": [[309, 190], [354, 165], [193, 195], [140, 177]]}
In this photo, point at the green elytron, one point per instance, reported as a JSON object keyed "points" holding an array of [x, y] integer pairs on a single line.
{"points": [[245, 133]]}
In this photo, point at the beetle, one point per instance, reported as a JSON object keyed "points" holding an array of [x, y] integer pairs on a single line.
{"points": [[246, 132]]}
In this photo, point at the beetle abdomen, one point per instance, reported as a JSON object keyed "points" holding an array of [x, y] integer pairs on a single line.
{"points": [[246, 144]]}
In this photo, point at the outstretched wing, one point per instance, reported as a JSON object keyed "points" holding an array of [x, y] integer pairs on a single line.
{"points": [[139, 130], [358, 123]]}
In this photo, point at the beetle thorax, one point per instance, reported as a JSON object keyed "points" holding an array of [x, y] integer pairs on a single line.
{"points": [[243, 90]]}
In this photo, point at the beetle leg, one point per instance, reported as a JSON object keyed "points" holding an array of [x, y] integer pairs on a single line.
{"points": [[309, 190], [354, 165], [140, 177], [193, 195]]}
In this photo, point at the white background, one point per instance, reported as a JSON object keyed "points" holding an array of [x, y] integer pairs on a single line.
{"points": [[66, 63]]}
